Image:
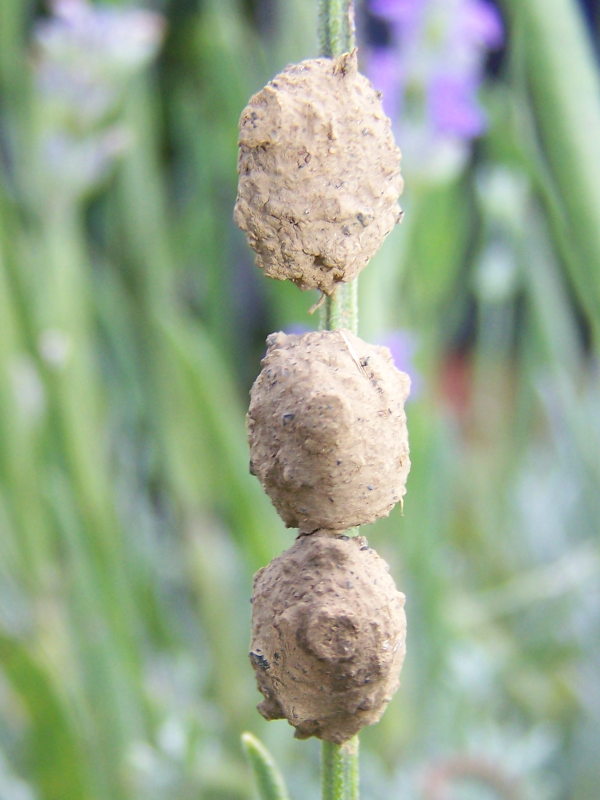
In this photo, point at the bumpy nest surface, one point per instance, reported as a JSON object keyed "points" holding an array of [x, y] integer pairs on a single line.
{"points": [[328, 636], [327, 429], [319, 173]]}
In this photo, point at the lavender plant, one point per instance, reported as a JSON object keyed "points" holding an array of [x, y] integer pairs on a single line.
{"points": [[430, 71], [84, 58]]}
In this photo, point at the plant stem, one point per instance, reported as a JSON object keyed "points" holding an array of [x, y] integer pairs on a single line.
{"points": [[336, 36], [336, 27], [341, 309], [340, 770]]}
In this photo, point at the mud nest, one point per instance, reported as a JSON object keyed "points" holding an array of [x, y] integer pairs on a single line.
{"points": [[328, 636], [327, 430], [319, 173]]}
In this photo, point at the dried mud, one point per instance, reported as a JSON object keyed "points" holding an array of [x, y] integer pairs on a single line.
{"points": [[327, 430], [328, 636], [319, 173]]}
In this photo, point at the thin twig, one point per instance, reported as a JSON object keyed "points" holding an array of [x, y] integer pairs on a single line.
{"points": [[336, 35]]}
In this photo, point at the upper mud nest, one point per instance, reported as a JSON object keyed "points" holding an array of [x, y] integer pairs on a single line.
{"points": [[328, 636], [327, 430], [319, 173]]}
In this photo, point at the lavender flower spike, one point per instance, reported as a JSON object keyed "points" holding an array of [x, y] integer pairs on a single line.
{"points": [[84, 55], [430, 73]]}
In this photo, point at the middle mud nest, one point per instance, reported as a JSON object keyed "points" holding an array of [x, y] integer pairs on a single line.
{"points": [[328, 636], [327, 430], [319, 173]]}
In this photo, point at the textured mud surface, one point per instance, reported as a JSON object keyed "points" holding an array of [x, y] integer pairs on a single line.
{"points": [[327, 430], [319, 173], [328, 636]]}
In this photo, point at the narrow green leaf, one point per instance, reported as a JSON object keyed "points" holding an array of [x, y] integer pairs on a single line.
{"points": [[562, 81], [269, 780], [55, 754]]}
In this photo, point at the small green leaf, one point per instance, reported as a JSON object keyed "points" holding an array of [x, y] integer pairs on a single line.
{"points": [[55, 755], [269, 780]]}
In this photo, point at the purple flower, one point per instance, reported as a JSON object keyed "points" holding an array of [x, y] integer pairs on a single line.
{"points": [[453, 108], [297, 329], [482, 24], [384, 72], [430, 75], [402, 345], [404, 12]]}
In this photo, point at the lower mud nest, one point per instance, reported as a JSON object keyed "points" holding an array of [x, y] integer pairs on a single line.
{"points": [[328, 636]]}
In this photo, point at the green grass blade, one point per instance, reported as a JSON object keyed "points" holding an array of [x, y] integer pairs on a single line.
{"points": [[564, 88], [56, 757], [269, 780], [213, 402]]}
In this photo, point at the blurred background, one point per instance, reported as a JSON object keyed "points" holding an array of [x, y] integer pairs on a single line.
{"points": [[132, 322]]}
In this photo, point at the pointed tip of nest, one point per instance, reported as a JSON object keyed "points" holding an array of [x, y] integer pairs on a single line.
{"points": [[347, 63]]}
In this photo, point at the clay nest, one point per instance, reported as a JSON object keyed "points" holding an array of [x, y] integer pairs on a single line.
{"points": [[319, 173], [327, 430], [328, 636]]}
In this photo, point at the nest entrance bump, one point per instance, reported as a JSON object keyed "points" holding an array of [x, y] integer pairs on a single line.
{"points": [[328, 636]]}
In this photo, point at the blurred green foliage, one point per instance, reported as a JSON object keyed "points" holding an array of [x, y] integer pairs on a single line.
{"points": [[131, 325]]}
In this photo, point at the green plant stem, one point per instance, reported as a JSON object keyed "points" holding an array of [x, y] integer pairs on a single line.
{"points": [[339, 766], [341, 309], [336, 27], [340, 770], [336, 36]]}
